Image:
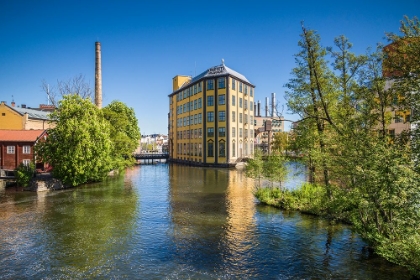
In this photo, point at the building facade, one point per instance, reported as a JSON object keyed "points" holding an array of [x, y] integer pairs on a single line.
{"points": [[17, 146], [22, 118], [211, 118]]}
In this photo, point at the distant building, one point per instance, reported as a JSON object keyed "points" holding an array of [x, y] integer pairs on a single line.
{"points": [[397, 53], [23, 118], [277, 123], [153, 143], [211, 118]]}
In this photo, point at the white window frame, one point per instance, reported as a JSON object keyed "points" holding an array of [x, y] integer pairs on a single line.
{"points": [[26, 149], [11, 149]]}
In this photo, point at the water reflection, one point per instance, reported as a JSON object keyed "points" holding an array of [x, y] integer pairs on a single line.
{"points": [[173, 222]]}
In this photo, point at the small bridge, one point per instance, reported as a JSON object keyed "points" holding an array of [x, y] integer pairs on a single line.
{"points": [[151, 156]]}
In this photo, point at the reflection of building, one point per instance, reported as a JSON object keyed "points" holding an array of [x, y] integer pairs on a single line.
{"points": [[12, 117], [211, 118], [277, 123]]}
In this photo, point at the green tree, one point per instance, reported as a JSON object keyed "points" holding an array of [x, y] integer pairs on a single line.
{"points": [[274, 168], [346, 112], [79, 147], [124, 132], [255, 166], [311, 95], [280, 142]]}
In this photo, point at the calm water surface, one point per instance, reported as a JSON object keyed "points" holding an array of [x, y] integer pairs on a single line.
{"points": [[173, 222]]}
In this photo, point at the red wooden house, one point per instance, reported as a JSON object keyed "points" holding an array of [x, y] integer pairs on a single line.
{"points": [[17, 146]]}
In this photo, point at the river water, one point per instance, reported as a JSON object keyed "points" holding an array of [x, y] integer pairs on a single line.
{"points": [[169, 221]]}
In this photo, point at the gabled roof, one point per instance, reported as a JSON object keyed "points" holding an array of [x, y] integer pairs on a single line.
{"points": [[20, 135]]}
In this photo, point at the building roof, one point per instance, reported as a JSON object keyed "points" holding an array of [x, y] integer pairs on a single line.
{"points": [[215, 71], [20, 135], [33, 114]]}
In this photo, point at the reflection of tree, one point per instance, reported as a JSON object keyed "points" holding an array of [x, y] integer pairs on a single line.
{"points": [[88, 224]]}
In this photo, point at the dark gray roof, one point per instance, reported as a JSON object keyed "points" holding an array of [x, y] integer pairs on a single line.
{"points": [[215, 71], [33, 114]]}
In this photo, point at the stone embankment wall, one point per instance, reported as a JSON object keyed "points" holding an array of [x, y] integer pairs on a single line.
{"points": [[46, 183]]}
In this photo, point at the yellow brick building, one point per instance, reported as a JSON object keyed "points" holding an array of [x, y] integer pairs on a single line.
{"points": [[19, 118], [211, 118]]}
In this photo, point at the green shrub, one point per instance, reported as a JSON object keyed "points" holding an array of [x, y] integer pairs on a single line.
{"points": [[24, 174]]}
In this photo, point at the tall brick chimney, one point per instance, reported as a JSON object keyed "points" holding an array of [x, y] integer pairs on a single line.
{"points": [[98, 76]]}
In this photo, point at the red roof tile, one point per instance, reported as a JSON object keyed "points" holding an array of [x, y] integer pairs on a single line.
{"points": [[20, 135]]}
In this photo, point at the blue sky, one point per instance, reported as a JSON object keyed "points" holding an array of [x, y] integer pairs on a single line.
{"points": [[146, 43]]}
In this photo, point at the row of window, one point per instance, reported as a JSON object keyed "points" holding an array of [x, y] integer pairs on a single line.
{"points": [[189, 106], [186, 121], [197, 133], [221, 83], [189, 92], [197, 118], [243, 104], [245, 119], [189, 134], [25, 149], [195, 149], [222, 132], [197, 104], [242, 87], [210, 100], [193, 90], [191, 149]]}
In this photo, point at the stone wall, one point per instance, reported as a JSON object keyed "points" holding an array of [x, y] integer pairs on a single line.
{"points": [[46, 184]]}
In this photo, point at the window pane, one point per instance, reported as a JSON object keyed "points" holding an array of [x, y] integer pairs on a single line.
{"points": [[222, 149], [210, 100], [221, 83], [210, 149], [222, 99], [210, 116], [222, 116], [222, 132]]}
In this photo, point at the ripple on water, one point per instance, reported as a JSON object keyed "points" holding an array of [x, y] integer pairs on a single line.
{"points": [[174, 222]]}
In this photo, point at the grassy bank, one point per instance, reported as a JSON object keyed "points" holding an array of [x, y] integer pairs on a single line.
{"points": [[312, 199]]}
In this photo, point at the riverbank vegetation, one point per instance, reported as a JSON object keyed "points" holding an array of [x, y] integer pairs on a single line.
{"points": [[361, 170], [24, 173], [87, 142]]}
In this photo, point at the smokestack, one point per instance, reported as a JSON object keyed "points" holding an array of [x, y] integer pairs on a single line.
{"points": [[259, 109], [266, 106], [98, 76], [273, 104]]}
